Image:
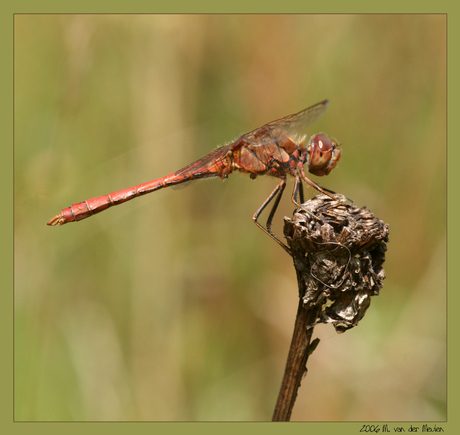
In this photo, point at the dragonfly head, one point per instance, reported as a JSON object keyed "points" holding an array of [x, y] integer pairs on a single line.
{"points": [[322, 154]]}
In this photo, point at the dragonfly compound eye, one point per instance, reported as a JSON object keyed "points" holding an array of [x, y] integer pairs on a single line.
{"points": [[323, 155]]}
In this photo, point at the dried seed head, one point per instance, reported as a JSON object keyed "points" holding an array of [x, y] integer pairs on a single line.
{"points": [[338, 257]]}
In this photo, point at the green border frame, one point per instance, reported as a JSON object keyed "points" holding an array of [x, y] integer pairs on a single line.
{"points": [[182, 6]]}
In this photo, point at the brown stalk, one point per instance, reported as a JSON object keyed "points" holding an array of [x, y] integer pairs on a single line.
{"points": [[338, 261]]}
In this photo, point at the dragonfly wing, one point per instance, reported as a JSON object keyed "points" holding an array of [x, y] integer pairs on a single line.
{"points": [[296, 123], [206, 166], [290, 125]]}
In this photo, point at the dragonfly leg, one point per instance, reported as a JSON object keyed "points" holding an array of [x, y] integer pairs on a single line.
{"points": [[314, 185], [299, 187], [278, 193], [331, 191], [301, 197], [328, 190]]}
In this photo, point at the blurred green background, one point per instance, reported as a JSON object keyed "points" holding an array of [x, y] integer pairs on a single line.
{"points": [[175, 307]]}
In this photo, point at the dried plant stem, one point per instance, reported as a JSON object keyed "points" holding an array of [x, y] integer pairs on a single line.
{"points": [[301, 348], [338, 257]]}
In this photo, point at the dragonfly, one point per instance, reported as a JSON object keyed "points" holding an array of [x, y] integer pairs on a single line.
{"points": [[276, 149]]}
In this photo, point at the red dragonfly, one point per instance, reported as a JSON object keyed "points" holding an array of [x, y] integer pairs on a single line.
{"points": [[275, 149]]}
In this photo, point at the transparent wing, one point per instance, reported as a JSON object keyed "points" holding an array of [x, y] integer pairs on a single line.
{"points": [[290, 125], [295, 123]]}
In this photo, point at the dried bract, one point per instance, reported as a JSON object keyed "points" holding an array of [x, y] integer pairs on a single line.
{"points": [[339, 258]]}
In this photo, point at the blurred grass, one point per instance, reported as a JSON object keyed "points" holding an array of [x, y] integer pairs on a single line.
{"points": [[175, 306]]}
